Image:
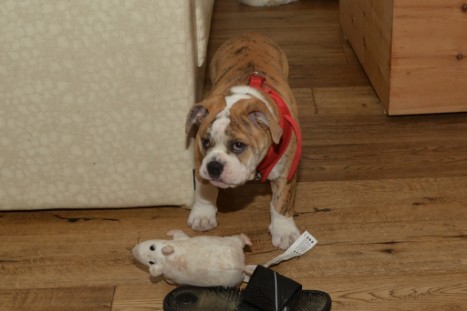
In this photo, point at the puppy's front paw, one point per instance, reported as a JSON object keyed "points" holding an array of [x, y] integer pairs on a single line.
{"points": [[283, 229], [283, 235], [202, 219]]}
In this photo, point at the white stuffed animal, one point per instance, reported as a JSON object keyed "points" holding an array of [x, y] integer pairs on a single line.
{"points": [[197, 261]]}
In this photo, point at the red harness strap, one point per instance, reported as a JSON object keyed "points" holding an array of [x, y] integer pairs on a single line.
{"points": [[288, 125]]}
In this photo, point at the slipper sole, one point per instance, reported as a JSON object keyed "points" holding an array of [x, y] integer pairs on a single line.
{"points": [[190, 298]]}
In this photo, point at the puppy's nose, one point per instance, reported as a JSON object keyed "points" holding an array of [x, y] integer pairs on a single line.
{"points": [[215, 169]]}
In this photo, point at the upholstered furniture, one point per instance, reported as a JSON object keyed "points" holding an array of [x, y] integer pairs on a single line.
{"points": [[93, 99]]}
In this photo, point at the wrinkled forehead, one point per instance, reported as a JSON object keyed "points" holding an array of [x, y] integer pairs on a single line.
{"points": [[219, 128], [219, 124]]}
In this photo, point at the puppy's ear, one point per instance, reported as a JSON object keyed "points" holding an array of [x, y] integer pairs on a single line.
{"points": [[200, 111], [195, 116], [259, 114]]}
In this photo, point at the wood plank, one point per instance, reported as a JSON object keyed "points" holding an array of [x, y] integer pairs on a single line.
{"points": [[59, 248], [424, 292], [382, 160], [387, 200], [351, 130], [339, 101], [136, 297], [385, 261], [427, 76], [51, 299], [346, 136]]}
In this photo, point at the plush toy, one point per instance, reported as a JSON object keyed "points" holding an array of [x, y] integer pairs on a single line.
{"points": [[197, 261]]}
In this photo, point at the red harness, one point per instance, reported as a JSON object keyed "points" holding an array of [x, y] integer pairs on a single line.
{"points": [[288, 125]]}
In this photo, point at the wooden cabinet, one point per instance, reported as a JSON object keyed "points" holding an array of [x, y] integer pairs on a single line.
{"points": [[414, 52]]}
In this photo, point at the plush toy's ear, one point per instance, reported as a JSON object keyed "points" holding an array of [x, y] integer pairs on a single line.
{"points": [[246, 239], [259, 114], [156, 269], [167, 250], [196, 116]]}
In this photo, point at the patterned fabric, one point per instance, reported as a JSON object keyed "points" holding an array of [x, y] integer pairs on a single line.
{"points": [[203, 25], [93, 99]]}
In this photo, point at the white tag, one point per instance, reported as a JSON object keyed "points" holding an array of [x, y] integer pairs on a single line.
{"points": [[302, 245]]}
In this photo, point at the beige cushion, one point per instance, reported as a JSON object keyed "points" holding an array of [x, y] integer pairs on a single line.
{"points": [[93, 98]]}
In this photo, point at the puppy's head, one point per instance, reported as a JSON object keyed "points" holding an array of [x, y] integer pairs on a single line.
{"points": [[233, 135], [152, 254]]}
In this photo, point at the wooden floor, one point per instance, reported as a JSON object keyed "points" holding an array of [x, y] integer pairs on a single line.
{"points": [[385, 197]]}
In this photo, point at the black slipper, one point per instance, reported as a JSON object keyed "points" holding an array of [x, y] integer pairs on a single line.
{"points": [[266, 291]]}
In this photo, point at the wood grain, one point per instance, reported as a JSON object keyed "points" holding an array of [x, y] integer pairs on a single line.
{"points": [[368, 26], [427, 75], [57, 299], [386, 197], [413, 52]]}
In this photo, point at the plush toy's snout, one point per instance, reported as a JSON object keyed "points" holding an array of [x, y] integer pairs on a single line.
{"points": [[138, 254], [147, 254]]}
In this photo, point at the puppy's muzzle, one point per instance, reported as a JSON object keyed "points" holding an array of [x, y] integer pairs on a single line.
{"points": [[215, 169]]}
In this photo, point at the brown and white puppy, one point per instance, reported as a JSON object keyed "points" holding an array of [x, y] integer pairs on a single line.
{"points": [[235, 127]]}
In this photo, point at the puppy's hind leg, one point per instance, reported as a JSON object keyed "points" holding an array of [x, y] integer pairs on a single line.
{"points": [[203, 212]]}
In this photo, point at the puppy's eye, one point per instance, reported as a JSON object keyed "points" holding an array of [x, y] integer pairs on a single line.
{"points": [[152, 247], [152, 263], [237, 147], [206, 143]]}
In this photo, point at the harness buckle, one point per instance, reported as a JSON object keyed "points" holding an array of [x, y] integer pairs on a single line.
{"points": [[258, 176]]}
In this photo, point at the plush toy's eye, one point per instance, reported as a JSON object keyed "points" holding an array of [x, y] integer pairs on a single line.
{"points": [[152, 247], [152, 263]]}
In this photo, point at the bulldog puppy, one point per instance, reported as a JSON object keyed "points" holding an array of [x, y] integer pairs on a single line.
{"points": [[246, 129]]}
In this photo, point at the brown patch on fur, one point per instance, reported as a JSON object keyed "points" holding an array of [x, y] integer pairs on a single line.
{"points": [[251, 106], [284, 195]]}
